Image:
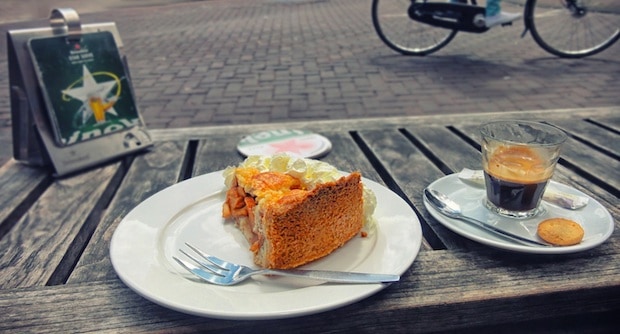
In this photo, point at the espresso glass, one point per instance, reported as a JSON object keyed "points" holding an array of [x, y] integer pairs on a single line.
{"points": [[518, 158]]}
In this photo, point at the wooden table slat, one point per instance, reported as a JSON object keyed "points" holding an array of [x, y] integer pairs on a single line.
{"points": [[18, 182], [149, 173], [593, 135], [32, 250]]}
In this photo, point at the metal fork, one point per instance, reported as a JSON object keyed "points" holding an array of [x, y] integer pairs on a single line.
{"points": [[217, 271]]}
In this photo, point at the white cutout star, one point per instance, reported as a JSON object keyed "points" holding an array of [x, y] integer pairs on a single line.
{"points": [[91, 88]]}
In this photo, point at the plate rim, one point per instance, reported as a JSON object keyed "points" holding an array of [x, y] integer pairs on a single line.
{"points": [[452, 224], [357, 291]]}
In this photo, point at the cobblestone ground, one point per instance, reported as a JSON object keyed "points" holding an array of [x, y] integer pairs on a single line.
{"points": [[198, 63]]}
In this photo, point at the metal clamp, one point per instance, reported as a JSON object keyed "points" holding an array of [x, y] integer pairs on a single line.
{"points": [[66, 21]]}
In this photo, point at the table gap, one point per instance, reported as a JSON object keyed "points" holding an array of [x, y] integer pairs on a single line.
{"points": [[429, 235], [592, 178], [604, 126], [189, 160], [590, 144], [78, 245], [464, 137], [19, 211], [427, 152]]}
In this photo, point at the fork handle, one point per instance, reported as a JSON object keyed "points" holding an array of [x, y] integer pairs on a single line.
{"points": [[334, 276]]}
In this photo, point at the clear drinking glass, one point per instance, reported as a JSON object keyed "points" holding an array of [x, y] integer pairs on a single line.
{"points": [[518, 158]]}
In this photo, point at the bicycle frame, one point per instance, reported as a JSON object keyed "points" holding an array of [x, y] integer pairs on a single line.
{"points": [[468, 16], [457, 16]]}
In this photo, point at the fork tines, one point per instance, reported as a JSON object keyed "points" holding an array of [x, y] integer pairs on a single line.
{"points": [[210, 263], [209, 266]]}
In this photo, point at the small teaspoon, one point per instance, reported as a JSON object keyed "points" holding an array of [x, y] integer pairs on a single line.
{"points": [[451, 209]]}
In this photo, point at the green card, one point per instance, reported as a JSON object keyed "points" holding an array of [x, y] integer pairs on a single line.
{"points": [[85, 86]]}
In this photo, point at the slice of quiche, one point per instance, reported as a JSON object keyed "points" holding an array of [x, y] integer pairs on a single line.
{"points": [[292, 210]]}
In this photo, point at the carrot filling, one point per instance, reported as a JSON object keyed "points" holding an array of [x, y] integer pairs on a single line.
{"points": [[240, 206]]}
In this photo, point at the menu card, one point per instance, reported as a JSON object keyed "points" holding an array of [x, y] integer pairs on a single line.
{"points": [[85, 86]]}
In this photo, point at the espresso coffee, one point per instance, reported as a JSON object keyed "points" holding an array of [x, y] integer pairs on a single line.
{"points": [[518, 158], [513, 196], [516, 177]]}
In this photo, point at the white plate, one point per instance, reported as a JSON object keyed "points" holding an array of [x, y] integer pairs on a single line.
{"points": [[142, 247], [594, 218]]}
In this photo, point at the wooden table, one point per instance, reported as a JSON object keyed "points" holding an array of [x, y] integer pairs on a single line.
{"points": [[56, 275]]}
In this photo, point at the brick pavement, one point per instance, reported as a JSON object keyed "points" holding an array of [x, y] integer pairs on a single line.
{"points": [[233, 61]]}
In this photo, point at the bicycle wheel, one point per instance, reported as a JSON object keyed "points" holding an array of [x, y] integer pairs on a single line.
{"points": [[573, 28], [404, 35]]}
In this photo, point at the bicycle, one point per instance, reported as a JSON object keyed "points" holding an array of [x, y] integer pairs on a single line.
{"points": [[564, 28]]}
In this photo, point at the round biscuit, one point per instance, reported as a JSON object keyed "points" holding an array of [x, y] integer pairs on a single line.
{"points": [[560, 231]]}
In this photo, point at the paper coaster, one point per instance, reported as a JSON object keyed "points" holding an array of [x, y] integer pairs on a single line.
{"points": [[300, 143]]}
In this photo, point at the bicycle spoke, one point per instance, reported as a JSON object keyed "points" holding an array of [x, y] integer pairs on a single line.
{"points": [[404, 35], [574, 28]]}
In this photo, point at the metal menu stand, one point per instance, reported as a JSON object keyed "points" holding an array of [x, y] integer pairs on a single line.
{"points": [[72, 101]]}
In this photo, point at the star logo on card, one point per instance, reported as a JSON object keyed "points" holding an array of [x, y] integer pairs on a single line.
{"points": [[97, 98]]}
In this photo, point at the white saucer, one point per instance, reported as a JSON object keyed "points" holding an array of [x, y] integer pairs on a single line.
{"points": [[594, 218], [143, 244]]}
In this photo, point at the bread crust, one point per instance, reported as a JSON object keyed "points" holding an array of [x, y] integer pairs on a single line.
{"points": [[301, 225], [308, 226]]}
